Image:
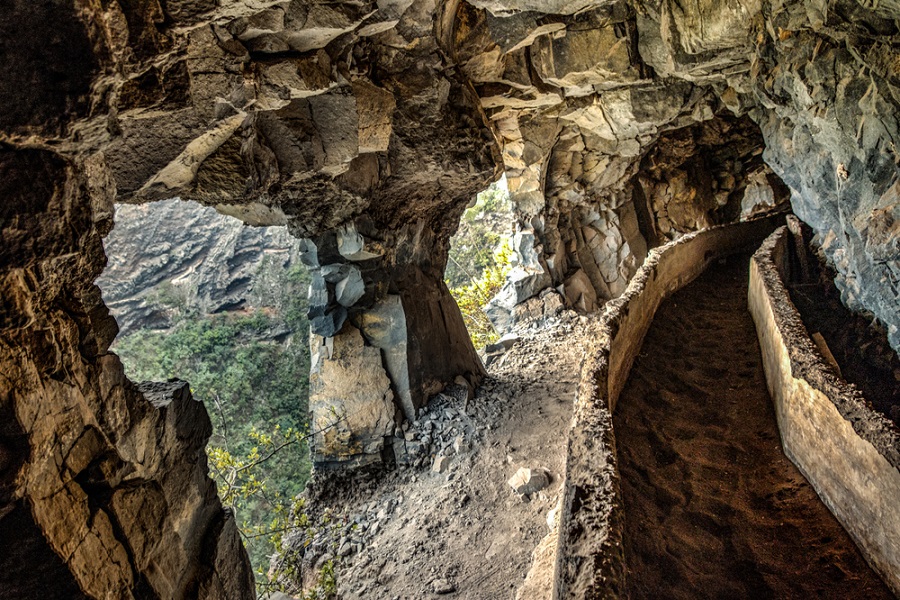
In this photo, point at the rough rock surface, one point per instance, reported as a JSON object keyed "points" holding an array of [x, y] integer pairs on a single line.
{"points": [[528, 481], [346, 122], [354, 393], [413, 531], [624, 123], [366, 127], [103, 485], [209, 261]]}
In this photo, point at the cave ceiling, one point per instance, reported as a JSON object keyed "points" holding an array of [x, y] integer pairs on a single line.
{"points": [[318, 114]]}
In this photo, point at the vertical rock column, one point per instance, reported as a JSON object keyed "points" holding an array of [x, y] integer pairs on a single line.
{"points": [[385, 336], [104, 490]]}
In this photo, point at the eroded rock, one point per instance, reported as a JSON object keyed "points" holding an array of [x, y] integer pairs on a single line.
{"points": [[351, 399], [95, 466]]}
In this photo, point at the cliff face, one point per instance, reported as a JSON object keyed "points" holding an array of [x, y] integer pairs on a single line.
{"points": [[365, 128], [182, 253]]}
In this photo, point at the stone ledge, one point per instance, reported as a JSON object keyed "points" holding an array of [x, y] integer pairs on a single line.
{"points": [[849, 452]]}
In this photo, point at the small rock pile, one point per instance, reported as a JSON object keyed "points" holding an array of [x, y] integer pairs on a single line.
{"points": [[337, 537], [426, 525], [445, 428]]}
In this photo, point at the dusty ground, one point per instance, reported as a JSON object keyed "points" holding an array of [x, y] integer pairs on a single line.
{"points": [[713, 507], [464, 532]]}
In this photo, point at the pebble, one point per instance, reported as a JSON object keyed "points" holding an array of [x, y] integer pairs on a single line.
{"points": [[442, 586], [528, 481], [440, 464]]}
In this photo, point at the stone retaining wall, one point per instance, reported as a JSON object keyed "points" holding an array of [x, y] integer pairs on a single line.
{"points": [[589, 557], [849, 452]]}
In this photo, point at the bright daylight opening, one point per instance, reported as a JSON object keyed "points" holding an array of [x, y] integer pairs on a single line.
{"points": [[204, 298], [481, 256]]}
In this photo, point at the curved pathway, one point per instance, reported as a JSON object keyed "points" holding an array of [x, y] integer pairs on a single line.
{"points": [[713, 507]]}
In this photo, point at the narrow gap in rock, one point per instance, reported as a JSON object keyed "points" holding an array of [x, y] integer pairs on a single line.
{"points": [[481, 256], [713, 507]]}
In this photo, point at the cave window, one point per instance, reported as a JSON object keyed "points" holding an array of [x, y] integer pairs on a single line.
{"points": [[202, 297], [481, 256]]}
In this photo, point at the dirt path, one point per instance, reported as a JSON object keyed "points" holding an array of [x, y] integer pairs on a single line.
{"points": [[713, 507], [412, 533]]}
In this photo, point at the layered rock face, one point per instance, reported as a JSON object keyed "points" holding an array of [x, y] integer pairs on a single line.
{"points": [[636, 119], [366, 127], [199, 258], [826, 99], [606, 152]]}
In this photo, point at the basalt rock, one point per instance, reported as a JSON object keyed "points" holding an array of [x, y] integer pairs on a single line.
{"points": [[176, 252], [627, 124]]}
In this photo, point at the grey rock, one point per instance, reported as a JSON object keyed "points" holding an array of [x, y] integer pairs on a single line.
{"points": [[350, 289], [351, 244], [330, 323], [443, 586], [384, 326], [180, 251], [162, 393], [528, 481]]}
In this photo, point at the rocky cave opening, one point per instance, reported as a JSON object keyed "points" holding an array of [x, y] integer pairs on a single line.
{"points": [[202, 297]]}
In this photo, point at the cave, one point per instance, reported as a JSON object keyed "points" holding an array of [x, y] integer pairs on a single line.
{"points": [[642, 143]]}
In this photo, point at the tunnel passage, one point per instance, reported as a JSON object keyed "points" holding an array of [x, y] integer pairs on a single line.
{"points": [[713, 507]]}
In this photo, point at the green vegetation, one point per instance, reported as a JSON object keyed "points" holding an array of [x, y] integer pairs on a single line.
{"points": [[479, 262], [251, 370]]}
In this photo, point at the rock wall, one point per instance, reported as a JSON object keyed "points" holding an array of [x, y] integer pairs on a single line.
{"points": [[347, 123], [826, 92], [366, 127], [344, 122], [616, 113], [104, 490], [608, 149]]}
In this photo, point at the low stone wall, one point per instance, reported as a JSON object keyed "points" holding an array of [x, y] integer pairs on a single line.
{"points": [[849, 452], [589, 557]]}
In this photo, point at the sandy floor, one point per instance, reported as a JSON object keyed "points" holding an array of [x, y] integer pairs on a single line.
{"points": [[713, 507]]}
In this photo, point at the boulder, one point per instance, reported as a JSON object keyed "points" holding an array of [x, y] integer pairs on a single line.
{"points": [[350, 400]]}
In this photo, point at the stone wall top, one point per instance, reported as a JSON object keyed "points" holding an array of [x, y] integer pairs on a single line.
{"points": [[807, 363]]}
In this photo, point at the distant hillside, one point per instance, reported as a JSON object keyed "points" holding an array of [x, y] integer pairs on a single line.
{"points": [[178, 254], [204, 298]]}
